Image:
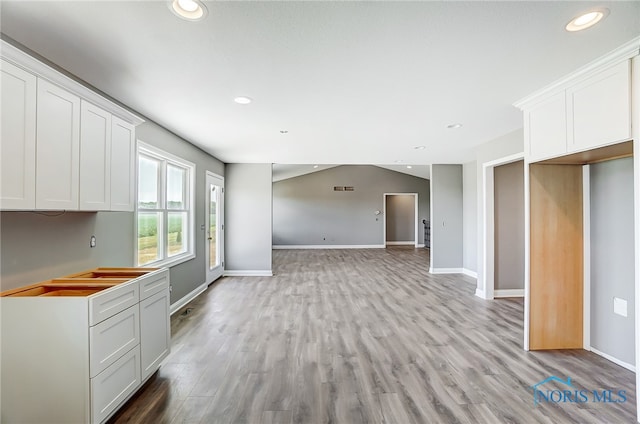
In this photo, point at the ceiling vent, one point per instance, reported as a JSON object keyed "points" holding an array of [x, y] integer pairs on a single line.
{"points": [[343, 188]]}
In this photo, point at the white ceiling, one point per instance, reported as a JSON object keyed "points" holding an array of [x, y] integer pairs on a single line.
{"points": [[351, 82]]}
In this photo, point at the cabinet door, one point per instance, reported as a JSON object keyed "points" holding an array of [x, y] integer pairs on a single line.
{"points": [[546, 128], [95, 158], [18, 138], [58, 148], [123, 155], [113, 385], [155, 332], [600, 109]]}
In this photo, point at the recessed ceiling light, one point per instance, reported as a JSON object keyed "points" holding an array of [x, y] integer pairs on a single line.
{"points": [[586, 20], [284, 132], [315, 166], [409, 166], [191, 10], [243, 100], [453, 126], [419, 147]]}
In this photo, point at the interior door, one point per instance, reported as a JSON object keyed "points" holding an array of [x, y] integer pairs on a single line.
{"points": [[214, 226]]}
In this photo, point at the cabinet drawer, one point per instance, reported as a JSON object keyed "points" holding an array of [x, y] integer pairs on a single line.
{"points": [[111, 387], [110, 339], [153, 283], [109, 302]]}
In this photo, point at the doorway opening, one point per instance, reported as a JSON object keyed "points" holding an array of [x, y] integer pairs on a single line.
{"points": [[400, 219], [214, 226]]}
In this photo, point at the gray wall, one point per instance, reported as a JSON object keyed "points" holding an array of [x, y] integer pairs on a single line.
{"points": [[508, 144], [306, 210], [509, 226], [248, 217], [612, 260], [469, 216], [446, 220], [401, 218], [186, 276], [40, 246], [37, 247]]}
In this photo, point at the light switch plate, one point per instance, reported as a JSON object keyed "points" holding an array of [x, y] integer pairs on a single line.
{"points": [[619, 306]]}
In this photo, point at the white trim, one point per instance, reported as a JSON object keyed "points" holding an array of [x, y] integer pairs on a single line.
{"points": [[401, 243], [415, 216], [247, 273], [481, 294], [486, 283], [635, 128], [612, 359], [624, 52], [508, 293], [586, 252], [470, 273], [188, 298], [326, 246], [420, 245], [527, 264], [40, 69], [446, 271]]}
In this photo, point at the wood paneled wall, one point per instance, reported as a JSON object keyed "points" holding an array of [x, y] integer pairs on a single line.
{"points": [[556, 276]]}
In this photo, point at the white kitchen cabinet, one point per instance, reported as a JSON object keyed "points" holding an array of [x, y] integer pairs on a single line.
{"points": [[546, 128], [58, 148], [599, 109], [78, 350], [123, 165], [155, 331], [95, 158], [18, 138]]}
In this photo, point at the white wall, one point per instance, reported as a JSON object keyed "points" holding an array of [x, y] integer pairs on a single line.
{"points": [[248, 219], [509, 144], [469, 212]]}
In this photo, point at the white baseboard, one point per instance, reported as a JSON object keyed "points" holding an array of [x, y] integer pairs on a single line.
{"points": [[470, 273], [480, 293], [327, 246], [188, 298], [445, 270], [614, 360], [400, 243], [421, 245], [508, 293], [248, 273]]}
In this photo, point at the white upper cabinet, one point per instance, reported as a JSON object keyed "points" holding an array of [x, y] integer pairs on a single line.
{"points": [[585, 110], [17, 138], [95, 158], [546, 126], [63, 146], [600, 109], [58, 148], [123, 165]]}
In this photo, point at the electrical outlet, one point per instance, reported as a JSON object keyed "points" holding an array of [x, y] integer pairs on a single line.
{"points": [[92, 242]]}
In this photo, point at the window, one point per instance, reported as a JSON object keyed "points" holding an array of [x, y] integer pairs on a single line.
{"points": [[164, 212]]}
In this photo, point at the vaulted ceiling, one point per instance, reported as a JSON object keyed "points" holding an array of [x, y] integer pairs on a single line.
{"points": [[347, 82]]}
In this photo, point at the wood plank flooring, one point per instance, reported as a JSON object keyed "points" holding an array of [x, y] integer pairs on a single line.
{"points": [[363, 336]]}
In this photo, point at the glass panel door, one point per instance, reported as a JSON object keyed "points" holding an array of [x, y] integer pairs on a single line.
{"points": [[214, 226]]}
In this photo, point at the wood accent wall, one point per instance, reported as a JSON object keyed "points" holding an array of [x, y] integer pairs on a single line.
{"points": [[556, 258]]}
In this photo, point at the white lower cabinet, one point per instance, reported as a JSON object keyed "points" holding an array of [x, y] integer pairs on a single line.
{"points": [[112, 386], [80, 350]]}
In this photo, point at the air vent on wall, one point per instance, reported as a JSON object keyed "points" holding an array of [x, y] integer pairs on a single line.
{"points": [[343, 188]]}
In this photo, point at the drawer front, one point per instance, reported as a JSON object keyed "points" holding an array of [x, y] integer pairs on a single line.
{"points": [[153, 283], [112, 338], [109, 302], [114, 385]]}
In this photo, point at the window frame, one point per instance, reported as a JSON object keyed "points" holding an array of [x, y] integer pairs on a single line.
{"points": [[166, 158]]}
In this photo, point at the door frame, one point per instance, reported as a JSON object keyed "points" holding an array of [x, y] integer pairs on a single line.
{"points": [[212, 275], [486, 285], [415, 216]]}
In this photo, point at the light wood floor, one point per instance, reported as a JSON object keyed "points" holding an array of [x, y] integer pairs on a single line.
{"points": [[363, 336]]}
